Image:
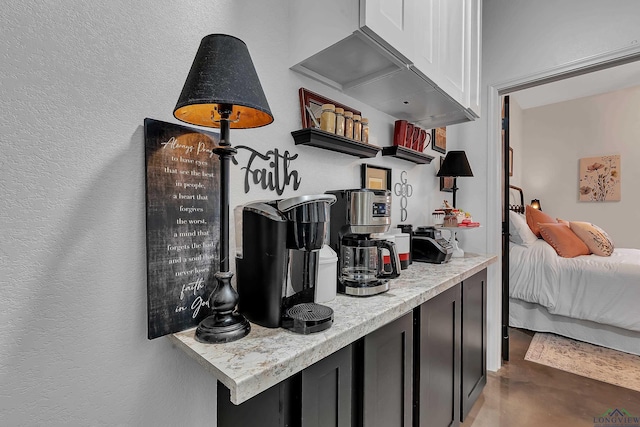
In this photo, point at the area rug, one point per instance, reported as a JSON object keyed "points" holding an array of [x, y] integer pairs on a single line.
{"points": [[588, 360]]}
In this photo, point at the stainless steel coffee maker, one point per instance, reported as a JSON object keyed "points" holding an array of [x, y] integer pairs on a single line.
{"points": [[356, 215]]}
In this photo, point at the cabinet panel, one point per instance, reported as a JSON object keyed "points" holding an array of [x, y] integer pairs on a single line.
{"points": [[474, 52], [387, 386], [427, 24], [327, 391], [474, 340], [438, 381], [274, 407], [452, 48], [390, 22]]}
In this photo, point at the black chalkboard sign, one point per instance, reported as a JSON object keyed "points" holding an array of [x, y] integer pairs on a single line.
{"points": [[183, 214]]}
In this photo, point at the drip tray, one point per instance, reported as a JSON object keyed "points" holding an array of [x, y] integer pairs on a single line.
{"points": [[307, 318]]}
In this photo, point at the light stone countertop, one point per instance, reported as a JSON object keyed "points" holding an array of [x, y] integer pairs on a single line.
{"points": [[267, 356]]}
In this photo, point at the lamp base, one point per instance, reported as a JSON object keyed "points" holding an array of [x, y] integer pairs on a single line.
{"points": [[221, 328], [225, 324]]}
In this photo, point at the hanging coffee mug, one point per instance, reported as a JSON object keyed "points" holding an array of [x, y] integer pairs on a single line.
{"points": [[421, 139], [428, 139], [408, 141], [416, 138]]}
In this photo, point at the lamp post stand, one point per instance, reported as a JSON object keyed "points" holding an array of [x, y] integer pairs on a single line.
{"points": [[225, 325]]}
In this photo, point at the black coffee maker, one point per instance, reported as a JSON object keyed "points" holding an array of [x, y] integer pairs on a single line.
{"points": [[357, 215], [277, 266]]}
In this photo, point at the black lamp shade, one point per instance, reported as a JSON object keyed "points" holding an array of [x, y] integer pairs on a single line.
{"points": [[455, 164], [222, 74], [535, 204]]}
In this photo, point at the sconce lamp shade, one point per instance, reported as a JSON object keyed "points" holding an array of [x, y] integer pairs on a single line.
{"points": [[535, 204], [222, 74], [455, 164]]}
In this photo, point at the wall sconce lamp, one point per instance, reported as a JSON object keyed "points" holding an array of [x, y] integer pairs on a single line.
{"points": [[222, 91], [455, 164], [535, 204]]}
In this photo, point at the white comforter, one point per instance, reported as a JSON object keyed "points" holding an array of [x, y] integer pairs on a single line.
{"points": [[589, 287]]}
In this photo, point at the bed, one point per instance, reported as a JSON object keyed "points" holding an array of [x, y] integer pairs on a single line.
{"points": [[590, 298]]}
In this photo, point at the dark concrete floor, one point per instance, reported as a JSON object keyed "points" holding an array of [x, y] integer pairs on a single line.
{"points": [[527, 394]]}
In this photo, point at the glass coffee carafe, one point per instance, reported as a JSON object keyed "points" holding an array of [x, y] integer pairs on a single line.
{"points": [[362, 263]]}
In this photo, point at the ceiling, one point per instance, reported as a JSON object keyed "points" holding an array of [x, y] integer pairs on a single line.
{"points": [[597, 82]]}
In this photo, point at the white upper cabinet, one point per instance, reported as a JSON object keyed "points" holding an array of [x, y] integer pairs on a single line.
{"points": [[391, 23], [473, 50], [413, 59]]}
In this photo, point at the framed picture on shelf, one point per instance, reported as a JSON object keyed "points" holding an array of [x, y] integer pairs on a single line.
{"points": [[311, 108], [510, 161], [376, 177], [446, 182], [440, 140]]}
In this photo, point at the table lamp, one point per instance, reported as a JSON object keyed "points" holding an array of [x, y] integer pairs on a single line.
{"points": [[455, 164], [222, 91], [535, 204]]}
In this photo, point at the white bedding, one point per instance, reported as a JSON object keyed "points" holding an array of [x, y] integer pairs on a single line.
{"points": [[589, 287]]}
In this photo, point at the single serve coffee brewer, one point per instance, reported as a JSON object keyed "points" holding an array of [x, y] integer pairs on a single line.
{"points": [[277, 262], [356, 215]]}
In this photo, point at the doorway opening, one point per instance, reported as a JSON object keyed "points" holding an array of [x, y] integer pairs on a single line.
{"points": [[496, 114]]}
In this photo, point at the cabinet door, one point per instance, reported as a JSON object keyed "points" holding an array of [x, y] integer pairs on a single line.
{"points": [[426, 49], [327, 391], [387, 380], [452, 48], [438, 384], [390, 23], [474, 53], [274, 407], [474, 340]]}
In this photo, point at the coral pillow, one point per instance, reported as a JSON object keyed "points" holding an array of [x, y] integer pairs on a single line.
{"points": [[596, 239], [534, 216], [563, 240]]}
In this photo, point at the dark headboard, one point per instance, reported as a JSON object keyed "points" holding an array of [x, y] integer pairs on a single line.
{"points": [[517, 208]]}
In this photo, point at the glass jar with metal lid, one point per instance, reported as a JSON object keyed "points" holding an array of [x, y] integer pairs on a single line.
{"points": [[339, 121], [348, 124], [328, 118], [357, 127]]}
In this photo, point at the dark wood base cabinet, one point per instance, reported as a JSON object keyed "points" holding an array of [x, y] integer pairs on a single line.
{"points": [[425, 369], [385, 390], [474, 341], [438, 360]]}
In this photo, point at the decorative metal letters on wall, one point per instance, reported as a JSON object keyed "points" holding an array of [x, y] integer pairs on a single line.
{"points": [[404, 190], [275, 173]]}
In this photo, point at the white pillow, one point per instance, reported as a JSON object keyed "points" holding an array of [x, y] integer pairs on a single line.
{"points": [[519, 231]]}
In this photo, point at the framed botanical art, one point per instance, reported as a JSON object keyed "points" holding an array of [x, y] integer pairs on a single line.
{"points": [[599, 179], [439, 143], [376, 177]]}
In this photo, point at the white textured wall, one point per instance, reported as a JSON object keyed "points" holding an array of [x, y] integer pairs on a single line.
{"points": [[78, 78], [556, 136]]}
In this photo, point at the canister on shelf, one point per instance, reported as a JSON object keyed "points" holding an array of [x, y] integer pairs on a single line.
{"points": [[348, 124], [328, 118], [340, 121], [357, 127], [365, 130]]}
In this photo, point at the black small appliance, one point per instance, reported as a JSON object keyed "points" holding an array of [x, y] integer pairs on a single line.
{"points": [[428, 245], [277, 266]]}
